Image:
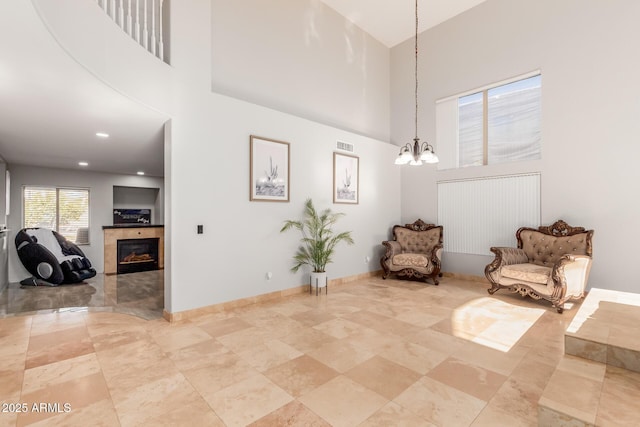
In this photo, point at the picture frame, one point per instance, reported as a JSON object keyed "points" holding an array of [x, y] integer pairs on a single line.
{"points": [[268, 170], [346, 178]]}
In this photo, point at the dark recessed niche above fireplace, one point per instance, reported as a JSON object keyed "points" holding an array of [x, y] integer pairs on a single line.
{"points": [[136, 255]]}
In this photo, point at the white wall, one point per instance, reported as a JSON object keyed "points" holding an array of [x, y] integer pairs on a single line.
{"points": [[208, 177], [590, 98], [241, 240], [100, 205], [303, 58]]}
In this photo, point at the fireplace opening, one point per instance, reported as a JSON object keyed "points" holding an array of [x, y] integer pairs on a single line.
{"points": [[136, 255]]}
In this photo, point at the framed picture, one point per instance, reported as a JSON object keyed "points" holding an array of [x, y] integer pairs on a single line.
{"points": [[345, 178], [132, 216], [269, 170]]}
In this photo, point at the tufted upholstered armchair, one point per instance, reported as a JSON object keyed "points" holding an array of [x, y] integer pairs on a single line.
{"points": [[550, 263], [415, 251]]}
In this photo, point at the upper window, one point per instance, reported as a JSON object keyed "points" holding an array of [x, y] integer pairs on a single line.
{"points": [[65, 210], [496, 124]]}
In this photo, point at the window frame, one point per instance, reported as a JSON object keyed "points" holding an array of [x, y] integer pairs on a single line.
{"points": [[57, 222], [455, 146]]}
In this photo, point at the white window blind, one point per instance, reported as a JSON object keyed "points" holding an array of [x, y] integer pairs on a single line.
{"points": [[65, 210], [479, 213]]}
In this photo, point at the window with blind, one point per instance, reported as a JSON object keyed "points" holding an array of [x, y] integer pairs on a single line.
{"points": [[494, 124], [65, 210]]}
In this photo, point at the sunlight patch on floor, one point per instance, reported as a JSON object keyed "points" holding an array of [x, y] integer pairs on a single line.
{"points": [[493, 323]]}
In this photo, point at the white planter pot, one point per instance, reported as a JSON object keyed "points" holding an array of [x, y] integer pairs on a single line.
{"points": [[318, 281]]}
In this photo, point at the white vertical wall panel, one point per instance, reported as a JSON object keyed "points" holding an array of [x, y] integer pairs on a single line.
{"points": [[479, 213], [447, 133]]}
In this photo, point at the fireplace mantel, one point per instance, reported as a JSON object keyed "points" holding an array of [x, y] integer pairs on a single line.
{"points": [[113, 233]]}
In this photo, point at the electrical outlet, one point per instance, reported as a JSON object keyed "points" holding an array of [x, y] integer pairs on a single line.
{"points": [[269, 275], [367, 259]]}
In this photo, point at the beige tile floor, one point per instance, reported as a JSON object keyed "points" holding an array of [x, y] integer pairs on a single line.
{"points": [[370, 353]]}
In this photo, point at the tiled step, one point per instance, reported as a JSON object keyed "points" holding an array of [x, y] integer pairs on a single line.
{"points": [[605, 329], [597, 383]]}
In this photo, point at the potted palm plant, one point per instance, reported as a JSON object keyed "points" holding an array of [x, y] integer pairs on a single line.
{"points": [[318, 240]]}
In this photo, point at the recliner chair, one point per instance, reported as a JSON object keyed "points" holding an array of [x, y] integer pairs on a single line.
{"points": [[50, 257]]}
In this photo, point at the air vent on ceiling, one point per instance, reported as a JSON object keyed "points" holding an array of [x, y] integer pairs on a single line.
{"points": [[345, 146]]}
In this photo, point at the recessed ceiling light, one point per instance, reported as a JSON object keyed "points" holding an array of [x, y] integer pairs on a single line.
{"points": [[83, 164], [140, 173], [102, 135]]}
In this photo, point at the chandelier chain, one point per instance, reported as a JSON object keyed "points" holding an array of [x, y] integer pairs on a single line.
{"points": [[416, 72]]}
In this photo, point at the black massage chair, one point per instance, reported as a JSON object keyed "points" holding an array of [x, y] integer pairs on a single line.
{"points": [[50, 257]]}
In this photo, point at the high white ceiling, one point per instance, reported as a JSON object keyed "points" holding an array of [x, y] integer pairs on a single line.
{"points": [[51, 107], [393, 21]]}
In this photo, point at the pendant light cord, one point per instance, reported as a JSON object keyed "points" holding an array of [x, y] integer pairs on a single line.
{"points": [[416, 72]]}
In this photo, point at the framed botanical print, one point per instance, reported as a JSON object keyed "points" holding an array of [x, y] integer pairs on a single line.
{"points": [[345, 178], [268, 170]]}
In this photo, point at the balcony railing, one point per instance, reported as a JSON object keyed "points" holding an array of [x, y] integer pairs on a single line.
{"points": [[143, 20]]}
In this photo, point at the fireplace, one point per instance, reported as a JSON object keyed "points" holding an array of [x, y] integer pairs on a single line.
{"points": [[137, 255]]}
